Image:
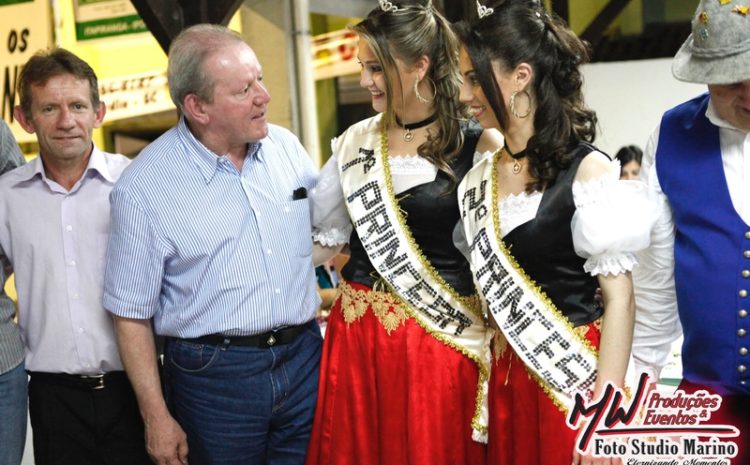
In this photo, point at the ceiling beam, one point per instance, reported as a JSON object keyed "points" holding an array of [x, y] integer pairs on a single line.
{"points": [[166, 18], [561, 9], [595, 30]]}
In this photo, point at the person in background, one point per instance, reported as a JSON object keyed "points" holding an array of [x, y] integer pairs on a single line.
{"points": [[13, 379], [327, 290], [629, 157], [548, 222], [211, 238], [405, 361], [696, 274], [54, 219]]}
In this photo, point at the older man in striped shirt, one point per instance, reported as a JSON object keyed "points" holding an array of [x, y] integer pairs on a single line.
{"points": [[211, 239]]}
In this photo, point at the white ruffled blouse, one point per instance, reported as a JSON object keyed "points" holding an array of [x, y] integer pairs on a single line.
{"points": [[330, 219], [611, 223], [612, 220]]}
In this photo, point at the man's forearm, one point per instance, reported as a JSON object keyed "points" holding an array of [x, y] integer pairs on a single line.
{"points": [[166, 442], [138, 353]]}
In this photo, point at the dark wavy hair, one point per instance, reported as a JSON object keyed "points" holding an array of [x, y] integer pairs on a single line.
{"points": [[521, 31], [417, 29]]}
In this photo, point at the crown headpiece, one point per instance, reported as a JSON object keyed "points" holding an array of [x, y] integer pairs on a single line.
{"points": [[483, 11], [387, 6]]}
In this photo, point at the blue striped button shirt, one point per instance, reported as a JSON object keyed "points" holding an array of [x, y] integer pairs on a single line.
{"points": [[204, 248]]}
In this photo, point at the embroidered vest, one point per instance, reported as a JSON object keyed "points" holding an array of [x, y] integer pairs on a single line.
{"points": [[544, 248], [431, 215], [711, 250]]}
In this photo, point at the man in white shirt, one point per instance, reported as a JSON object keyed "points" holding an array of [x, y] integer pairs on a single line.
{"points": [[54, 224], [697, 163]]}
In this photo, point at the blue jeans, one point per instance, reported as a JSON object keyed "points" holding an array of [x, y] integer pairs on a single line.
{"points": [[244, 405], [13, 401]]}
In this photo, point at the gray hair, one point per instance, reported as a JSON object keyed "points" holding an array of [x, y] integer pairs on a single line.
{"points": [[187, 55]]}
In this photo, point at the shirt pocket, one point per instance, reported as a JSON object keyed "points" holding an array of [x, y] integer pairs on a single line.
{"points": [[297, 219]]}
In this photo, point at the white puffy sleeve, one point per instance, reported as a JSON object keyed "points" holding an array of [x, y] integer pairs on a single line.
{"points": [[612, 221], [330, 218]]}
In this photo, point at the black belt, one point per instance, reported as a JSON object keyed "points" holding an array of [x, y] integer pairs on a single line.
{"points": [[272, 338], [99, 381]]}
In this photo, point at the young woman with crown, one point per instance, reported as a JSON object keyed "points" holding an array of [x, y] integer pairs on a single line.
{"points": [[545, 222], [406, 360]]}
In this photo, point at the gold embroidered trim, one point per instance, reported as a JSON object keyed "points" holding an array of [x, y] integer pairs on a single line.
{"points": [[583, 330], [483, 369], [353, 302], [385, 306], [392, 311], [499, 344], [484, 374], [532, 285], [389, 309]]}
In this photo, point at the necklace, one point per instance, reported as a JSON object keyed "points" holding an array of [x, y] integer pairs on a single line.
{"points": [[408, 135], [515, 157]]}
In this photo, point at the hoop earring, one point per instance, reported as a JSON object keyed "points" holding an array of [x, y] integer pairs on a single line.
{"points": [[513, 103], [419, 96]]}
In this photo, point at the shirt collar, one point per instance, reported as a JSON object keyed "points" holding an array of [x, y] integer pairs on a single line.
{"points": [[97, 163], [206, 160]]}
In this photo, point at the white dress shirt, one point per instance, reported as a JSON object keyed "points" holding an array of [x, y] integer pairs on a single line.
{"points": [[657, 322], [56, 241]]}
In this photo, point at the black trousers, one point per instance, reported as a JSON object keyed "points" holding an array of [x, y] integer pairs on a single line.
{"points": [[79, 422]]}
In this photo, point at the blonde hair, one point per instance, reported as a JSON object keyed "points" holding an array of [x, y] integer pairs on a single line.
{"points": [[415, 30]]}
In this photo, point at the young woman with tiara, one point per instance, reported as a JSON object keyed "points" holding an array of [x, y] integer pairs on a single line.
{"points": [[405, 360], [548, 222]]}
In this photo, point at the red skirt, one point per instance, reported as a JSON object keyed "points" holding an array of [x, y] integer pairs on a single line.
{"points": [[526, 427], [390, 393]]}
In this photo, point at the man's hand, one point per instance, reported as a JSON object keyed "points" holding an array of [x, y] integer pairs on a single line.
{"points": [[166, 443]]}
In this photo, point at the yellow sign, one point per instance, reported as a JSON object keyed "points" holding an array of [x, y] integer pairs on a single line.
{"points": [[25, 27], [105, 18], [134, 95]]}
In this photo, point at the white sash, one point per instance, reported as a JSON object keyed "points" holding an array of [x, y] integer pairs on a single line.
{"points": [[562, 361], [369, 197]]}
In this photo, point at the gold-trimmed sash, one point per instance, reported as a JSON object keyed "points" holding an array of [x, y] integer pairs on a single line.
{"points": [[362, 153], [561, 360]]}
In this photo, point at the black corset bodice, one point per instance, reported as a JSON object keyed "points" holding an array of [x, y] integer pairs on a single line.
{"points": [[543, 247], [431, 214]]}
